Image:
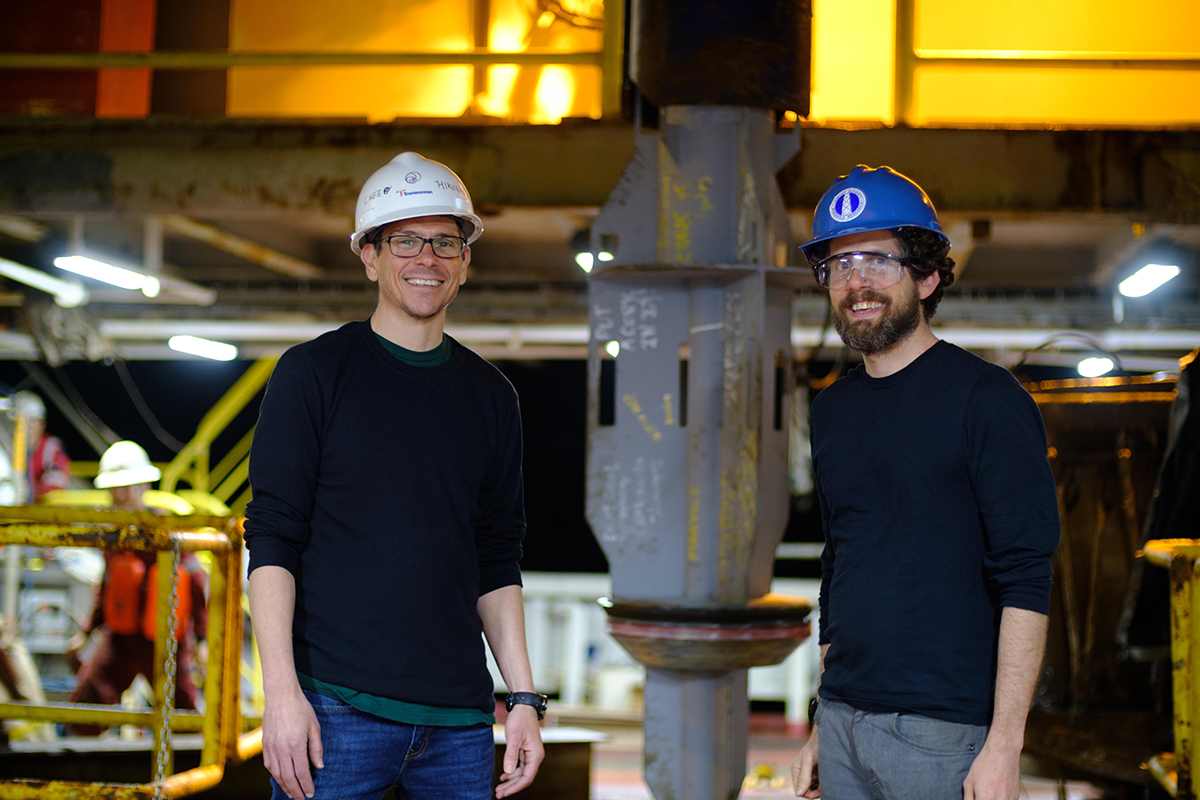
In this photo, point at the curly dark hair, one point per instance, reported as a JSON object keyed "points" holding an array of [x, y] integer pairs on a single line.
{"points": [[929, 254]]}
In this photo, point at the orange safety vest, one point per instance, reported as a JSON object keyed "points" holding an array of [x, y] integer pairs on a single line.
{"points": [[128, 593]]}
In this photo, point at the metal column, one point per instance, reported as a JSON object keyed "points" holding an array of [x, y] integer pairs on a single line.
{"points": [[690, 381]]}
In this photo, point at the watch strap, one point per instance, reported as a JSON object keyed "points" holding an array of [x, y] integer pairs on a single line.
{"points": [[538, 701]]}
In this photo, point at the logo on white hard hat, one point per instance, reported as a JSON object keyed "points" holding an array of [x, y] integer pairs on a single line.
{"points": [[412, 177], [847, 204]]}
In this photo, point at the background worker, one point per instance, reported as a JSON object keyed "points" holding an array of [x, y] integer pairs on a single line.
{"points": [[126, 599], [385, 531], [940, 520], [47, 466]]}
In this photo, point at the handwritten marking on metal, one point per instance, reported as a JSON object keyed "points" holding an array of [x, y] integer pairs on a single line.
{"points": [[682, 214], [693, 550], [604, 324], [631, 504], [749, 221], [668, 410], [639, 413], [638, 309]]}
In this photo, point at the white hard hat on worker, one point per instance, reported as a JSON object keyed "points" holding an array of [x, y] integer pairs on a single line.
{"points": [[411, 186], [125, 464]]}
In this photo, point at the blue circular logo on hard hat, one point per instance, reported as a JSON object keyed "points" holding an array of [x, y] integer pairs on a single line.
{"points": [[847, 204]]}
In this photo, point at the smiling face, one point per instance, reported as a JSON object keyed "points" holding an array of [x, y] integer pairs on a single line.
{"points": [[870, 319], [416, 287]]}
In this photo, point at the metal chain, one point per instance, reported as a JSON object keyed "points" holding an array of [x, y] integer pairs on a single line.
{"points": [[168, 709]]}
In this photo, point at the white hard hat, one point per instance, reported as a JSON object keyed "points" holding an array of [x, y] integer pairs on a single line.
{"points": [[125, 464], [412, 186], [29, 405]]}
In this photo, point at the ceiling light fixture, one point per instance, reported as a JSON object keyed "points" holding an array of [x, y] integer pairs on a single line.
{"points": [[1147, 279], [123, 277], [67, 293], [205, 348], [1095, 367]]}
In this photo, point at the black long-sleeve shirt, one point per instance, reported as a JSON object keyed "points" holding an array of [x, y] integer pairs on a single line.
{"points": [[940, 510], [393, 494]]}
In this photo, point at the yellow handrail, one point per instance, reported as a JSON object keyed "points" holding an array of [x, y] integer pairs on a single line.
{"points": [[1175, 771], [221, 722], [191, 463]]}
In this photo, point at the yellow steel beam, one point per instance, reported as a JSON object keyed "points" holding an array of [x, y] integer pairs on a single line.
{"points": [[231, 722], [111, 537], [612, 59], [164, 633], [236, 478], [214, 673], [92, 714], [1045, 398], [167, 59], [195, 453], [242, 247], [235, 456]]}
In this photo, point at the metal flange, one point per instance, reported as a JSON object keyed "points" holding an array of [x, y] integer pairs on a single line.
{"points": [[710, 638]]}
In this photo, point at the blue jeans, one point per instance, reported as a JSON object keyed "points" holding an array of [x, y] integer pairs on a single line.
{"points": [[366, 755], [867, 756]]}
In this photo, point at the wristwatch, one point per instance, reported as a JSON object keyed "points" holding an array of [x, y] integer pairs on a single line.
{"points": [[812, 711], [538, 701]]}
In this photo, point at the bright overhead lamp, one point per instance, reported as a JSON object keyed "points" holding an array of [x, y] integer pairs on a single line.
{"points": [[205, 348], [1095, 367], [585, 261], [1147, 279], [108, 273], [613, 348], [604, 255], [67, 293]]}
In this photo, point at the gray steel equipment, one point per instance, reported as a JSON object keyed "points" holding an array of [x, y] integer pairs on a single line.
{"points": [[690, 371]]}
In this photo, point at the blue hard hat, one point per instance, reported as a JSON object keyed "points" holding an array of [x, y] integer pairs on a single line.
{"points": [[871, 200]]}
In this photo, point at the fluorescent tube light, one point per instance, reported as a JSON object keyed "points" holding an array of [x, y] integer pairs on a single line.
{"points": [[107, 273], [1147, 279], [67, 294], [206, 348]]}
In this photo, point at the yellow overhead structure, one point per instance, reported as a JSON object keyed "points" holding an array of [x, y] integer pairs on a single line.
{"points": [[221, 723]]}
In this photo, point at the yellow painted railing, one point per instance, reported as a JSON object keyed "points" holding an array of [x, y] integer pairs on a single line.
{"points": [[221, 723], [1176, 771], [192, 462]]}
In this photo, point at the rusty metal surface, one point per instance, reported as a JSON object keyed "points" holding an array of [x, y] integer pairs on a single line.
{"points": [[250, 168]]}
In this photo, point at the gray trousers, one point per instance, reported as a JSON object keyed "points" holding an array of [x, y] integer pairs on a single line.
{"points": [[867, 756]]}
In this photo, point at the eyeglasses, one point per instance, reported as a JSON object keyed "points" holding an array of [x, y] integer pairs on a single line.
{"points": [[878, 269], [404, 245]]}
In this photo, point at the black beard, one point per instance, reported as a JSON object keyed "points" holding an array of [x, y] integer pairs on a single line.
{"points": [[895, 324]]}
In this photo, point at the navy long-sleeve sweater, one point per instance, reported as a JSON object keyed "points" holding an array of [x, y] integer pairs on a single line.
{"points": [[940, 510], [393, 494]]}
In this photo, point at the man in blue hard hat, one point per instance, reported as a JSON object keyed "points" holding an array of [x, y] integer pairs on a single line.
{"points": [[940, 520]]}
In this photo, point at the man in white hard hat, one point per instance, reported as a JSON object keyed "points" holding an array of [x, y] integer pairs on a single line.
{"points": [[47, 465], [386, 527], [124, 610]]}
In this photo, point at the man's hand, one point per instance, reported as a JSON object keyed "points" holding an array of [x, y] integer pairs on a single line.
{"points": [[804, 769], [995, 775], [523, 751], [291, 737]]}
